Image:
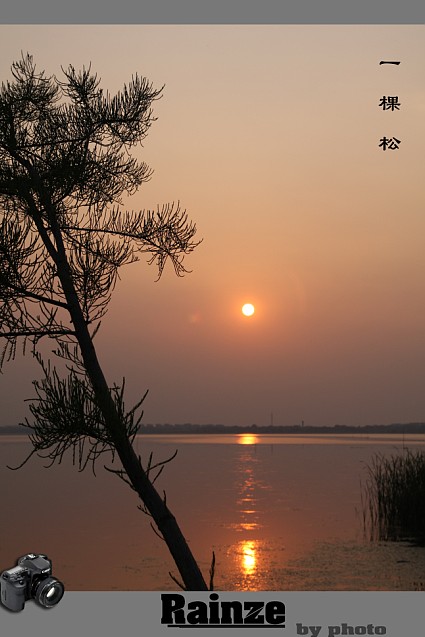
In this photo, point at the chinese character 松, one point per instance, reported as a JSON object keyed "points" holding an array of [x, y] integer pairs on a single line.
{"points": [[391, 143]]}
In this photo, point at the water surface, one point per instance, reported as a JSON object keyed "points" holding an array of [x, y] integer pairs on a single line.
{"points": [[281, 512]]}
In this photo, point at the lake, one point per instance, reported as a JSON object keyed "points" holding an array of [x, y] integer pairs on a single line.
{"points": [[281, 512]]}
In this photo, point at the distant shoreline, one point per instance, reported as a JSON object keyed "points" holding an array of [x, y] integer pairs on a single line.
{"points": [[396, 428]]}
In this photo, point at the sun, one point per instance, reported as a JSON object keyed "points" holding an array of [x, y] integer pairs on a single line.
{"points": [[248, 309]]}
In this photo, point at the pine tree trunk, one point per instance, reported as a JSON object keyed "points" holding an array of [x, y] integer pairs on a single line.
{"points": [[164, 519], [162, 516]]}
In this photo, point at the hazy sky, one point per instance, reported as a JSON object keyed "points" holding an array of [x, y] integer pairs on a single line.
{"points": [[268, 136]]}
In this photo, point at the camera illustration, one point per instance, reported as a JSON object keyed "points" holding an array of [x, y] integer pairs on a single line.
{"points": [[31, 579]]}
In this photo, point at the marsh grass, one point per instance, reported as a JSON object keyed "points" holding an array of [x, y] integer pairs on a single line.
{"points": [[393, 497]]}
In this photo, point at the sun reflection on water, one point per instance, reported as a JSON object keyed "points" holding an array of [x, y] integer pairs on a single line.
{"points": [[247, 439], [251, 568], [248, 552]]}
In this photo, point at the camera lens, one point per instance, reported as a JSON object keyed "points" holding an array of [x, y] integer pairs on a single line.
{"points": [[49, 592]]}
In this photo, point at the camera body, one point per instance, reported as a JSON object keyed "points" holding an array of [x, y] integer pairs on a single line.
{"points": [[30, 579]]}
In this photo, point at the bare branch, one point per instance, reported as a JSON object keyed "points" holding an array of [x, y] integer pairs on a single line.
{"points": [[38, 333], [37, 297], [161, 537], [212, 572], [179, 584], [121, 474]]}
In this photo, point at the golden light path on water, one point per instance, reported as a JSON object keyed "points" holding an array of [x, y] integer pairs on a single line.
{"points": [[247, 551]]}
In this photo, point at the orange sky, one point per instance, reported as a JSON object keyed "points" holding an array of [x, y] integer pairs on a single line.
{"points": [[268, 136]]}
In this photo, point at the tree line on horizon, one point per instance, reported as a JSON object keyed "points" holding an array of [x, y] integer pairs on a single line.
{"points": [[160, 428]]}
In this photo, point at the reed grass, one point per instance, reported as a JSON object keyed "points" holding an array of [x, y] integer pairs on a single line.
{"points": [[393, 497]]}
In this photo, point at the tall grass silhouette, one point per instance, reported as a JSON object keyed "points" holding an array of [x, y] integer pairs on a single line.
{"points": [[393, 497]]}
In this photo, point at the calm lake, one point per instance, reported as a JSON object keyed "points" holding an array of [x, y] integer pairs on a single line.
{"points": [[281, 512]]}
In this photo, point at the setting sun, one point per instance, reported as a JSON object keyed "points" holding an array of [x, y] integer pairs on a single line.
{"points": [[248, 309]]}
